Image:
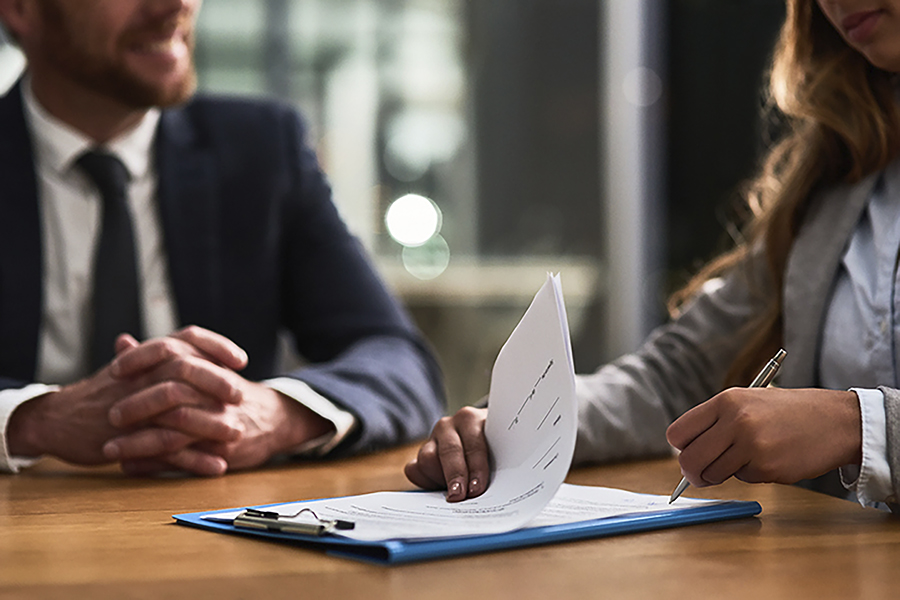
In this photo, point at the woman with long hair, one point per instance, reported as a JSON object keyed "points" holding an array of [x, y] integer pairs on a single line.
{"points": [[816, 273]]}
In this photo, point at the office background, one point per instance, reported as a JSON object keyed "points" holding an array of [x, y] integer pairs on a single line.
{"points": [[474, 145]]}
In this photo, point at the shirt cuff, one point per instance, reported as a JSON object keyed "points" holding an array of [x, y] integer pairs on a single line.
{"points": [[344, 422], [9, 402], [871, 480]]}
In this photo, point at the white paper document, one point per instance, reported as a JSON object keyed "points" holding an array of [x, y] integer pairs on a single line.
{"points": [[530, 429], [427, 515]]}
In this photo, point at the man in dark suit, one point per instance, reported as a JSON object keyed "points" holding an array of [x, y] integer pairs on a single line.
{"points": [[232, 239]]}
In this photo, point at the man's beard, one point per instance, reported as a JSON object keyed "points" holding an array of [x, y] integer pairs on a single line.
{"points": [[68, 54]]}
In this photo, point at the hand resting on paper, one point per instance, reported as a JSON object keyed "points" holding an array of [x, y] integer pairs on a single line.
{"points": [[767, 435], [534, 416], [455, 456]]}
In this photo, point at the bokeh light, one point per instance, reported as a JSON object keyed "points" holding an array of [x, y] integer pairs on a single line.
{"points": [[428, 260], [412, 220]]}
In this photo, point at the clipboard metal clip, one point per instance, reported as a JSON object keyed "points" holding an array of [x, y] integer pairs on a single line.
{"points": [[253, 518]]}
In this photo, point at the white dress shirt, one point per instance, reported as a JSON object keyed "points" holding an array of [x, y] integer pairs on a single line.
{"points": [[70, 219]]}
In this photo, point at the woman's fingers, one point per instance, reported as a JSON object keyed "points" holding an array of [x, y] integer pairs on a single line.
{"points": [[425, 470], [455, 456], [471, 432]]}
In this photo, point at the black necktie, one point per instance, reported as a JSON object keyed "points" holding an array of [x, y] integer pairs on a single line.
{"points": [[116, 304]]}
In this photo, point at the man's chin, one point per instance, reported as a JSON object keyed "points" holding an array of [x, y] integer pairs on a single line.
{"points": [[143, 94]]}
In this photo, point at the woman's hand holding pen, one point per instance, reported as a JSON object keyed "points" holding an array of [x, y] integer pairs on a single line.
{"points": [[768, 435]]}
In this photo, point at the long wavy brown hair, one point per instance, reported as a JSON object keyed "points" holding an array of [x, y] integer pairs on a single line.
{"points": [[841, 123]]}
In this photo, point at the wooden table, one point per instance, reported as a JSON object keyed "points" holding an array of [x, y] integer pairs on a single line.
{"points": [[83, 533]]}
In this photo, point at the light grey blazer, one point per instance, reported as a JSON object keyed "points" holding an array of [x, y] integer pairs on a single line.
{"points": [[626, 406]]}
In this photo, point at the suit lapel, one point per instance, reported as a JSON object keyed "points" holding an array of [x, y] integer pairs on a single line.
{"points": [[187, 193], [813, 264], [20, 244]]}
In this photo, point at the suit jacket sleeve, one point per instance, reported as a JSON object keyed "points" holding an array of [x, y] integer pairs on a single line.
{"points": [[365, 354], [626, 406]]}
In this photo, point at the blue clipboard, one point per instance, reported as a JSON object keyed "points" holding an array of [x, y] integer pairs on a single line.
{"points": [[391, 552]]}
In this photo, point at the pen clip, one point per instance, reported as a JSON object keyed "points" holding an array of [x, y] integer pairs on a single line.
{"points": [[253, 518]]}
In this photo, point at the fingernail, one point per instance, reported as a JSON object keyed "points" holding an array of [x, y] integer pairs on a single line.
{"points": [[222, 467], [111, 451], [473, 486], [455, 490], [114, 368], [115, 416]]}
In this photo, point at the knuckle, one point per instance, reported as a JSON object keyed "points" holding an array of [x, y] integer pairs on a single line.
{"points": [[190, 331], [166, 392], [179, 417], [746, 422], [444, 424], [168, 347], [171, 392], [236, 430], [232, 391], [169, 440], [675, 435], [449, 448], [183, 369], [729, 399], [467, 414], [427, 453]]}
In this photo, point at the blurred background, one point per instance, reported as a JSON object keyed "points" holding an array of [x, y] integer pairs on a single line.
{"points": [[475, 145]]}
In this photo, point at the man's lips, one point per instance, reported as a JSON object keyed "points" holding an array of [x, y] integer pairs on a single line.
{"points": [[171, 43], [160, 37], [158, 46]]}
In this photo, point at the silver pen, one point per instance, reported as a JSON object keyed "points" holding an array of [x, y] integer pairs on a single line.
{"points": [[762, 380]]}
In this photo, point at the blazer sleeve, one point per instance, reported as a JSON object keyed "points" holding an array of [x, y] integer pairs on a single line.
{"points": [[626, 406], [364, 352]]}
